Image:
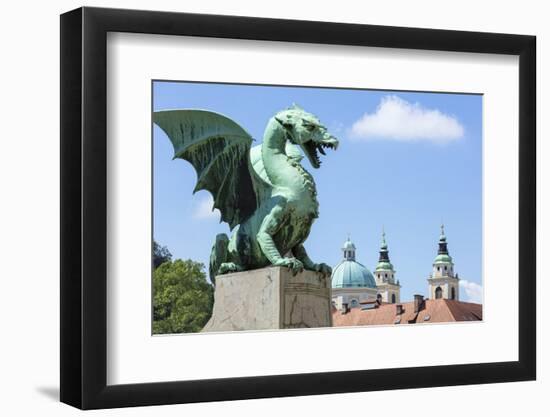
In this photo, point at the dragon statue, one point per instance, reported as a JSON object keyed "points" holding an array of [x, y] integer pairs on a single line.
{"points": [[265, 195]]}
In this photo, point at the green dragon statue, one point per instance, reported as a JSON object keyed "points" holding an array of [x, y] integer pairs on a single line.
{"points": [[265, 195]]}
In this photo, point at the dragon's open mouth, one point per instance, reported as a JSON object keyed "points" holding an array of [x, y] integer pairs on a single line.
{"points": [[312, 150]]}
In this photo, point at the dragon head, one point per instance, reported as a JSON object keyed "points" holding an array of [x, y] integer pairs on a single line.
{"points": [[305, 129]]}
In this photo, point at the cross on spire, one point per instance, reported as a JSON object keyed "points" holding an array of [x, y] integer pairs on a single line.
{"points": [[383, 244]]}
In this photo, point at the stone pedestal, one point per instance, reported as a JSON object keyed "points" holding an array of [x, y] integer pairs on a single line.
{"points": [[270, 298]]}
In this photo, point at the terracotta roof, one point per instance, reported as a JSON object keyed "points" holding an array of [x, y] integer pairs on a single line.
{"points": [[433, 311], [462, 311], [370, 302]]}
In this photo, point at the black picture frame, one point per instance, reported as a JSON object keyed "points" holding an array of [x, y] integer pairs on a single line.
{"points": [[84, 207]]}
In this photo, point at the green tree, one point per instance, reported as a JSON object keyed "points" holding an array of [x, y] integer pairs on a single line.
{"points": [[182, 297], [161, 254]]}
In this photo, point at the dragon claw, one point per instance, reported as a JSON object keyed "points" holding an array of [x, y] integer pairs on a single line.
{"points": [[292, 263], [228, 267], [323, 268]]}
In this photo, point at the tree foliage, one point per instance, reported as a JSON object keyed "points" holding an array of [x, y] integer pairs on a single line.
{"points": [[161, 254], [182, 297]]}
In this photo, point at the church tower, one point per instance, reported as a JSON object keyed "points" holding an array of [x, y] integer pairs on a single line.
{"points": [[443, 283], [388, 289]]}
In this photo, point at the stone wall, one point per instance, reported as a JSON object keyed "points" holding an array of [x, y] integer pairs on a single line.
{"points": [[270, 298]]}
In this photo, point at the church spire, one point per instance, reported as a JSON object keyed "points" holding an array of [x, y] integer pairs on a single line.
{"points": [[443, 262], [443, 242], [384, 263], [384, 257]]}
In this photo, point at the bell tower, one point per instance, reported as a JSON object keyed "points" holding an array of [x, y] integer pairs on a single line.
{"points": [[388, 288], [443, 282]]}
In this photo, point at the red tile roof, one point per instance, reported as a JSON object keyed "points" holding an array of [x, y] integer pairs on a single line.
{"points": [[432, 311]]}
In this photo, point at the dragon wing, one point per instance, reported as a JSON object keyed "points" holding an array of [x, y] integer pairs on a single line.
{"points": [[218, 148]]}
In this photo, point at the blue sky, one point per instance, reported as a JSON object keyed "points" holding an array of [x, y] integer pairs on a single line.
{"points": [[406, 162]]}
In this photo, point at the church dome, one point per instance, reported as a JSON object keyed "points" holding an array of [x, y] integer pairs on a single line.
{"points": [[350, 273]]}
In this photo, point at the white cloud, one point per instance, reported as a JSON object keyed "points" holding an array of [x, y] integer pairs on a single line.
{"points": [[203, 209], [400, 120], [473, 291]]}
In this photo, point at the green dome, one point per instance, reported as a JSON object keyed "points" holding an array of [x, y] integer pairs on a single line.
{"points": [[351, 274], [384, 266], [443, 258]]}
